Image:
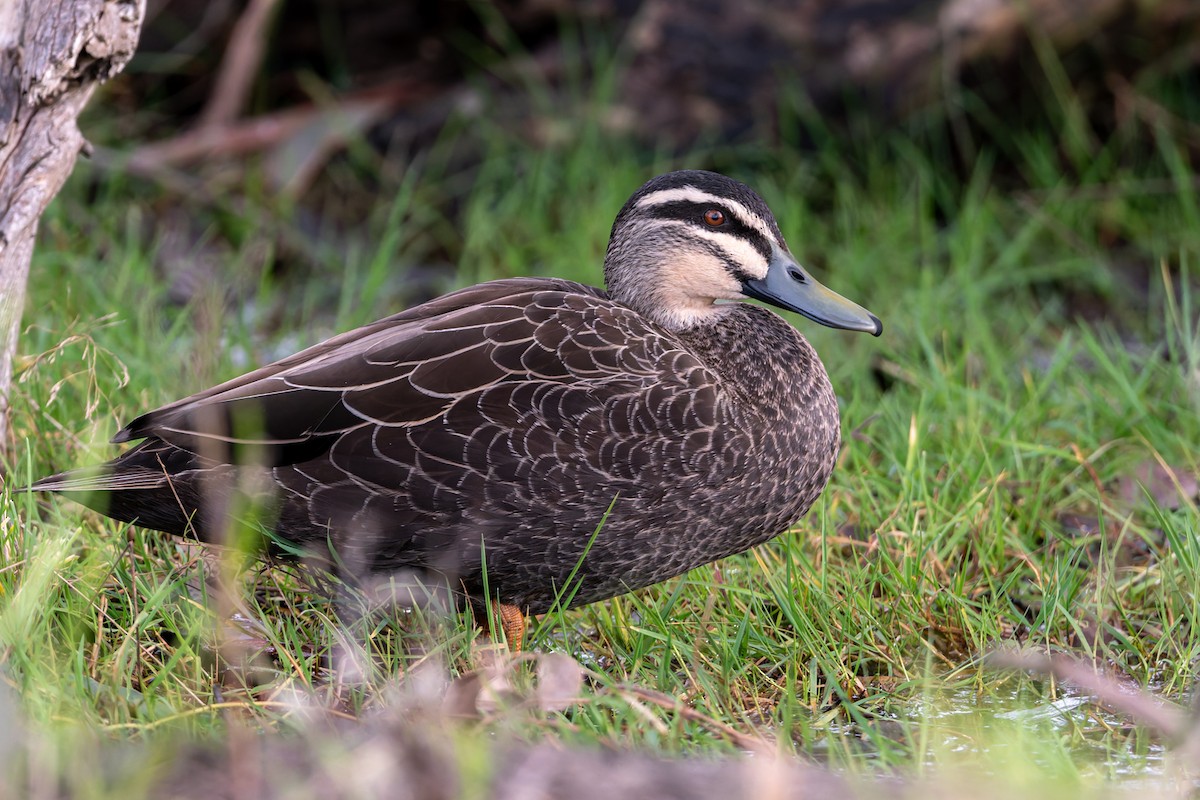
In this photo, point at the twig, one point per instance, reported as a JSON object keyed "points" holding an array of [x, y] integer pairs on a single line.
{"points": [[1132, 102], [258, 133], [753, 744], [239, 66]]}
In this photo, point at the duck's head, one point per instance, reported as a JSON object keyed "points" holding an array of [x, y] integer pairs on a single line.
{"points": [[688, 239]]}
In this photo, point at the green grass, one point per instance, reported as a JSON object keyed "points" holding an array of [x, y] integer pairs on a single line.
{"points": [[979, 429]]}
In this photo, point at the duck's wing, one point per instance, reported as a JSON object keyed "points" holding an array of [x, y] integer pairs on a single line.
{"points": [[503, 413], [400, 370], [411, 369], [514, 433]]}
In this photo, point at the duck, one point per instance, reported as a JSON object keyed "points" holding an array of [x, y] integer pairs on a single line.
{"points": [[530, 442]]}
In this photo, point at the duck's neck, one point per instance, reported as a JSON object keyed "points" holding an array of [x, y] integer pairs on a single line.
{"points": [[775, 394], [761, 357]]}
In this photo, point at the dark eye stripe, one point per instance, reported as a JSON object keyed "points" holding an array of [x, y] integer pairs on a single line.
{"points": [[693, 214]]}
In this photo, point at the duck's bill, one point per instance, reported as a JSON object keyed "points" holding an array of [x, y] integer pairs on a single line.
{"points": [[788, 285]]}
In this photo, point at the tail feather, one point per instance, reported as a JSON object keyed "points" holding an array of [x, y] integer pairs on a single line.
{"points": [[153, 485], [100, 479]]}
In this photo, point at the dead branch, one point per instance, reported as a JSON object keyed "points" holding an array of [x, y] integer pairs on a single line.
{"points": [[240, 65], [256, 134]]}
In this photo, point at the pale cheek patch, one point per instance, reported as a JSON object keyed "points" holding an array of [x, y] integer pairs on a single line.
{"points": [[692, 281], [741, 253], [699, 276]]}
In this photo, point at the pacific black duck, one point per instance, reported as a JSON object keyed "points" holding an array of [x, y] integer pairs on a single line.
{"points": [[500, 424]]}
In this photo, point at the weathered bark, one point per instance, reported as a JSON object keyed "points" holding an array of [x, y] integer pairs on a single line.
{"points": [[53, 54]]}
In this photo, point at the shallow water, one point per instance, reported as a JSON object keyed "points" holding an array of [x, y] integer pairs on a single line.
{"points": [[1015, 716], [1016, 733]]}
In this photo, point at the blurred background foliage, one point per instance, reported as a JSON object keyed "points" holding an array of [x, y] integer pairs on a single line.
{"points": [[1008, 185], [280, 125]]}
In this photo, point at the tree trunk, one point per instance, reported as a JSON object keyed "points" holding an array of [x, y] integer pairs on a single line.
{"points": [[53, 54]]}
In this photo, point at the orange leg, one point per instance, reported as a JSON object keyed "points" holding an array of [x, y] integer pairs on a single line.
{"points": [[512, 622]]}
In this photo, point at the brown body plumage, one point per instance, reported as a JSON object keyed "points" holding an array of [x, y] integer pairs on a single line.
{"points": [[504, 421]]}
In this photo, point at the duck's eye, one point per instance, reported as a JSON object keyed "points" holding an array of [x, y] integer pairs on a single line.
{"points": [[714, 217]]}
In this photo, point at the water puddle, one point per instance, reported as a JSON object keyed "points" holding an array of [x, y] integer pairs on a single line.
{"points": [[1023, 723]]}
